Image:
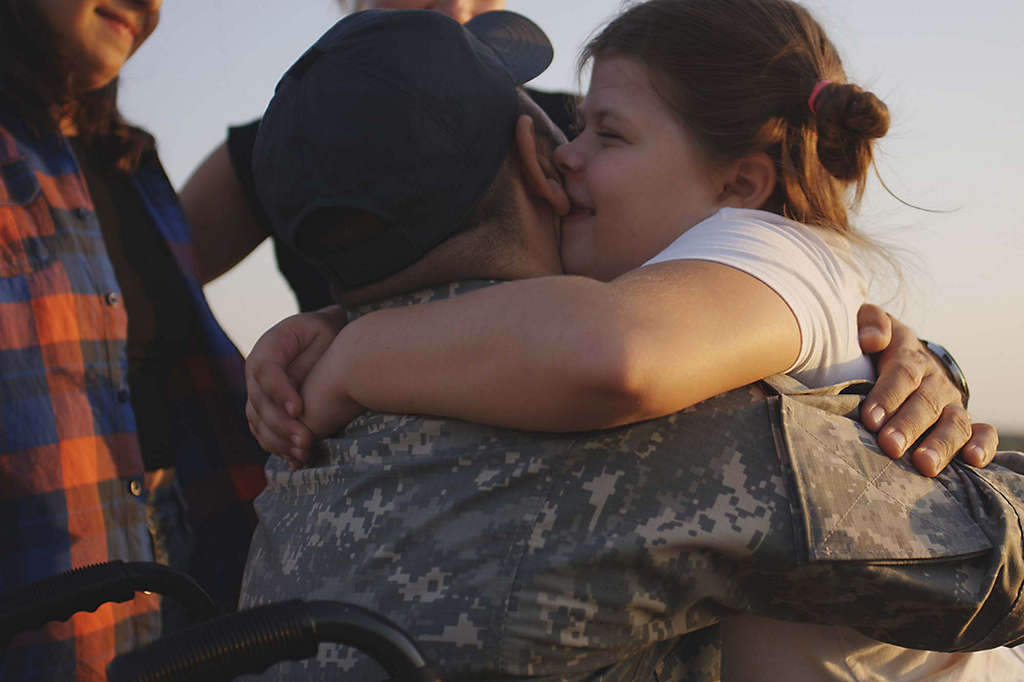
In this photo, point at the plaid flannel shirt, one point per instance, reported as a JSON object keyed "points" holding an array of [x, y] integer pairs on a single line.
{"points": [[70, 465]]}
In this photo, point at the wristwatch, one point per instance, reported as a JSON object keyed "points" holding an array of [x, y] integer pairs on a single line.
{"points": [[955, 373]]}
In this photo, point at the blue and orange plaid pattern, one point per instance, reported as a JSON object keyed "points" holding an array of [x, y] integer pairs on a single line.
{"points": [[70, 466]]}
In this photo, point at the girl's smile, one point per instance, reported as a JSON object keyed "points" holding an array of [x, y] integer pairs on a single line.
{"points": [[636, 177], [97, 36]]}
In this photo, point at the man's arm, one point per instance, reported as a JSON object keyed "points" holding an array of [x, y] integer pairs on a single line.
{"points": [[921, 563], [750, 503]]}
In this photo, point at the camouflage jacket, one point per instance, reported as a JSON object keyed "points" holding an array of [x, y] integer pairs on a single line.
{"points": [[612, 555]]}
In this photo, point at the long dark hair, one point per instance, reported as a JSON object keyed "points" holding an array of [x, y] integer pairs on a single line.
{"points": [[739, 74], [34, 79]]}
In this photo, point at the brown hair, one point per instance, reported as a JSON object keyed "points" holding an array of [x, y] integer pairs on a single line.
{"points": [[34, 79], [739, 74]]}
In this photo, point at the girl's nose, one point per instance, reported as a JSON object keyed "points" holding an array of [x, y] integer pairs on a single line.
{"points": [[568, 157]]}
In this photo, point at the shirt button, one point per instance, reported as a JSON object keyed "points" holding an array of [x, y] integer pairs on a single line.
{"points": [[123, 394], [135, 487], [113, 298]]}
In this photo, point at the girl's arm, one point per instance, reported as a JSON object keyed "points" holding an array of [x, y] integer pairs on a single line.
{"points": [[560, 353]]}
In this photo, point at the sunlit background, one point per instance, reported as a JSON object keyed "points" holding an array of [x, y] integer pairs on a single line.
{"points": [[948, 70]]}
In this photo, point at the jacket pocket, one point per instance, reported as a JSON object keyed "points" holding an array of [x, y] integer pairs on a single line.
{"points": [[854, 502], [21, 247]]}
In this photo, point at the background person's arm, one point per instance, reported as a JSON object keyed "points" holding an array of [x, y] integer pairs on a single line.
{"points": [[225, 229]]}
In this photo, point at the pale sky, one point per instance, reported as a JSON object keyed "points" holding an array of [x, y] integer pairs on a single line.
{"points": [[948, 71]]}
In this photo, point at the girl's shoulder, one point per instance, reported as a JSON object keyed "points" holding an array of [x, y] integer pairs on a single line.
{"points": [[812, 270], [744, 220], [762, 236]]}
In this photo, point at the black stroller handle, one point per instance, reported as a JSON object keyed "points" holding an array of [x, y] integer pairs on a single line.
{"points": [[251, 641], [87, 588]]}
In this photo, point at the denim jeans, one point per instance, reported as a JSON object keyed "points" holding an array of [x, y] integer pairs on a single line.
{"points": [[172, 542]]}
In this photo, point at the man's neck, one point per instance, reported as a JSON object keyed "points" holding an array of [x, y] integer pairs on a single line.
{"points": [[438, 293]]}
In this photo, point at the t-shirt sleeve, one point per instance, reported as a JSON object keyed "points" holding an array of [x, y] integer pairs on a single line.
{"points": [[821, 284], [241, 140]]}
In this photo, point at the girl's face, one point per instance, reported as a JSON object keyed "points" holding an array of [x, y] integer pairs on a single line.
{"points": [[97, 36], [636, 176]]}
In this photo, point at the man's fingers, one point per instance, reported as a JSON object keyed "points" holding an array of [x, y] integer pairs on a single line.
{"points": [[944, 440], [912, 396], [874, 328], [918, 413], [898, 379], [981, 448]]}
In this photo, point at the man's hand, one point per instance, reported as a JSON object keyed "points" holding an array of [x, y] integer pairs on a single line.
{"points": [[914, 395], [274, 371]]}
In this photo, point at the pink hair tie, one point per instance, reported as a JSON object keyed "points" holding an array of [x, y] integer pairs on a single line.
{"points": [[812, 101]]}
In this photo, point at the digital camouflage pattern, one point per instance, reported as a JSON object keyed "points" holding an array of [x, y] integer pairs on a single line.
{"points": [[512, 555]]}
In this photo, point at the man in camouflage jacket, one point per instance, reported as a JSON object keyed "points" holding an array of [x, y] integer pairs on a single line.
{"points": [[612, 555], [509, 553]]}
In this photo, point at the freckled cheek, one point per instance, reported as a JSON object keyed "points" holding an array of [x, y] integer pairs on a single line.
{"points": [[608, 232], [609, 248], [593, 250]]}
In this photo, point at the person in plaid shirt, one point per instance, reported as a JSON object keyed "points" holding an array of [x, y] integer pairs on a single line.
{"points": [[122, 434]]}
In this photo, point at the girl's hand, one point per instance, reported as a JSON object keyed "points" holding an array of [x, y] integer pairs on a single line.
{"points": [[914, 398], [328, 405], [278, 364]]}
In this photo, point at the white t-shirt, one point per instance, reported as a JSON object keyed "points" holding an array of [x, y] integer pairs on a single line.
{"points": [[813, 271]]}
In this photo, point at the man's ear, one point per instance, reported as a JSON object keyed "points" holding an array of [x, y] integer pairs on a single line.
{"points": [[538, 167], [748, 182]]}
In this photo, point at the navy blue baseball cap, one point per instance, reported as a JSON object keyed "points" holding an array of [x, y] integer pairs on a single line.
{"points": [[405, 115]]}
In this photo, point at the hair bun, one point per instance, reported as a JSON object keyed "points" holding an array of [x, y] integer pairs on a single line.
{"points": [[848, 119]]}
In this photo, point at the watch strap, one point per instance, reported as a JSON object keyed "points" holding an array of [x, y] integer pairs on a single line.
{"points": [[952, 368]]}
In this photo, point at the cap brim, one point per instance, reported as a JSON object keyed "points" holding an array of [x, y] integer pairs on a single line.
{"points": [[520, 44]]}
